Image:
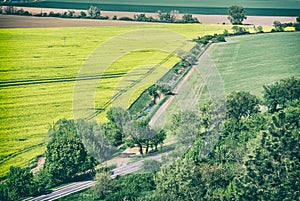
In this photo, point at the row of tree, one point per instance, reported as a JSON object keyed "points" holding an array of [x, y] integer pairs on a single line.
{"points": [[256, 156], [74, 148]]}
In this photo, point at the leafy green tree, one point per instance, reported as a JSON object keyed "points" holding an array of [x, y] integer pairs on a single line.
{"points": [[239, 30], [140, 133], [126, 187], [273, 172], [19, 183], [178, 181], [188, 18], [278, 95], [158, 139], [241, 104], [94, 12], [119, 116], [278, 26], [112, 133], [96, 139], [151, 166], [66, 155], [236, 14], [104, 185]]}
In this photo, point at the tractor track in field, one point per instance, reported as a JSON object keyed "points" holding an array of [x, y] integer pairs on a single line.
{"points": [[13, 83]]}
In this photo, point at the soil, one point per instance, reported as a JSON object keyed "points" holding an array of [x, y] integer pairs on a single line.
{"points": [[9, 21]]}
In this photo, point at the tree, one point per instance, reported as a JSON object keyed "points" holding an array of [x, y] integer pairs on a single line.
{"points": [[178, 181], [278, 26], [158, 138], [66, 155], [278, 95], [119, 116], [151, 166], [104, 185], [19, 183], [259, 29], [97, 138], [239, 30], [236, 14], [188, 18], [273, 172], [94, 12], [82, 14], [140, 133], [241, 104]]}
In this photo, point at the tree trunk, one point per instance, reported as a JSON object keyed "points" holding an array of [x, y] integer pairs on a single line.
{"points": [[140, 148]]}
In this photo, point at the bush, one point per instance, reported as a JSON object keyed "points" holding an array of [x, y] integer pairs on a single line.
{"points": [[298, 19], [126, 19], [114, 17], [103, 17], [297, 26], [82, 14], [219, 38], [239, 30], [52, 14], [226, 32], [259, 29]]}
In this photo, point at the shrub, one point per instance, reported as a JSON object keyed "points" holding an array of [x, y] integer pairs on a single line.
{"points": [[114, 17], [297, 26], [226, 32], [259, 29], [82, 14], [103, 17], [126, 19]]}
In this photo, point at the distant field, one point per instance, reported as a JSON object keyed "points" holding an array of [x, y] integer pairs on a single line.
{"points": [[51, 58], [261, 7], [248, 62]]}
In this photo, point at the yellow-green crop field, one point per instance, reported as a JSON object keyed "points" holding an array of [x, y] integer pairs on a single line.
{"points": [[51, 58]]}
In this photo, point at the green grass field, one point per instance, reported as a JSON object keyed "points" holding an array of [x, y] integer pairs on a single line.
{"points": [[217, 7], [244, 63], [43, 56]]}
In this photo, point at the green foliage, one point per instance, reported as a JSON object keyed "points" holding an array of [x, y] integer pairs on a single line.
{"points": [[94, 12], [213, 38], [236, 14], [127, 187], [126, 19], [188, 18], [280, 93], [98, 140], [66, 155], [151, 166], [259, 29], [179, 181], [136, 132], [19, 184], [278, 26], [237, 30], [273, 171], [241, 105]]}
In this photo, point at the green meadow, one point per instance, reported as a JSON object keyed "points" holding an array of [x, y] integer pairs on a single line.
{"points": [[38, 68], [244, 63]]}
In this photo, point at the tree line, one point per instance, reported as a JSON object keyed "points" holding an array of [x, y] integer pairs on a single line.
{"points": [[256, 157]]}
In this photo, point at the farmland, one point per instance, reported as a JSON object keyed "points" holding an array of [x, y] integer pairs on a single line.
{"points": [[41, 64], [244, 63], [263, 7]]}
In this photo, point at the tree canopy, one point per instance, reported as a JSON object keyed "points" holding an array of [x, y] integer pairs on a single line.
{"points": [[236, 14], [66, 155]]}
